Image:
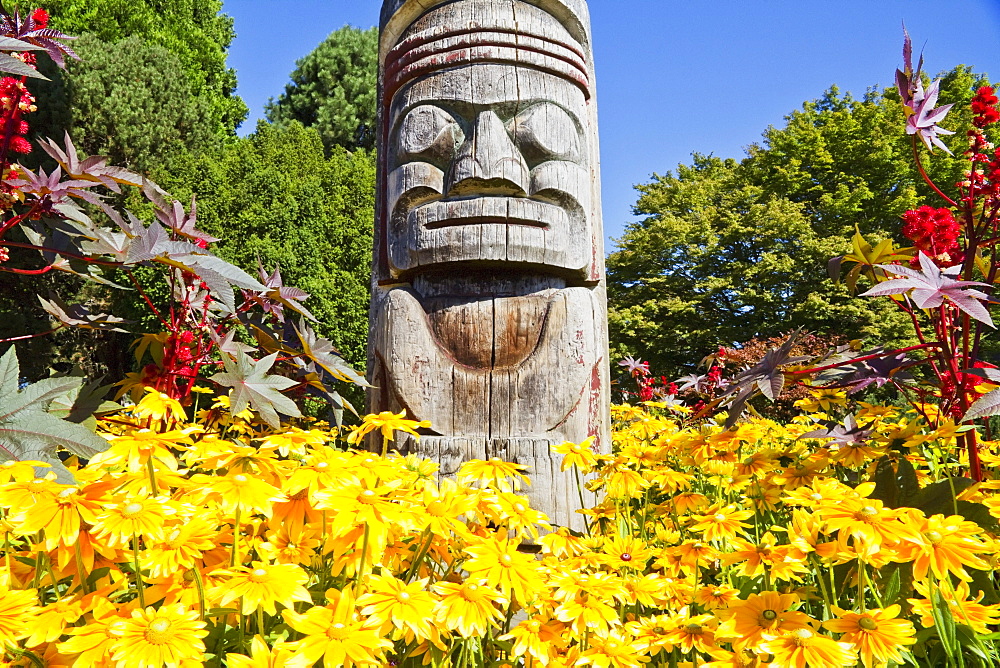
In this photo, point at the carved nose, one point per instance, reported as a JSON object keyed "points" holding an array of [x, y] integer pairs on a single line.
{"points": [[488, 162]]}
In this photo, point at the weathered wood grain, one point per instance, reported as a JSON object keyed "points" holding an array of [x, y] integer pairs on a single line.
{"points": [[489, 314]]}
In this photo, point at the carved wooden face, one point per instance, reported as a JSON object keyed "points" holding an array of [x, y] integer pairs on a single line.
{"points": [[489, 163]]}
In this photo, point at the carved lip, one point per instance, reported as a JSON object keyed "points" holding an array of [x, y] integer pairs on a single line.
{"points": [[488, 210]]}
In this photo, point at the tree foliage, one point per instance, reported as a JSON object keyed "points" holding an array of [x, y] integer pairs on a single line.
{"points": [[731, 250], [193, 30], [275, 197], [334, 90], [128, 100]]}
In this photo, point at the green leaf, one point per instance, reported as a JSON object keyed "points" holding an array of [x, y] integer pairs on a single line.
{"points": [[892, 588], [251, 385], [895, 482], [29, 432], [10, 373], [939, 497], [78, 315]]}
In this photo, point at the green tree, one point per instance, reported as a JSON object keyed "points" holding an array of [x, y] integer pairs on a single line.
{"points": [[275, 197], [334, 90], [193, 30], [129, 100], [730, 250]]}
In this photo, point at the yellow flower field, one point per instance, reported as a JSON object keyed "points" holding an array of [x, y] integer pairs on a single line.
{"points": [[221, 542]]}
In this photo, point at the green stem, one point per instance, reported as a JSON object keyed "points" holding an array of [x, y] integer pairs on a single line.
{"points": [[199, 584], [421, 553], [138, 573], [80, 570], [154, 491], [236, 539], [861, 585], [361, 564]]}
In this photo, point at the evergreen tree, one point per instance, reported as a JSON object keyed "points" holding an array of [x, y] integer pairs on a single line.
{"points": [[334, 90], [193, 30]]}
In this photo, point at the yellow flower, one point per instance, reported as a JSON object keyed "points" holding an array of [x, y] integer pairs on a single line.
{"points": [[626, 484], [133, 449], [335, 634], [281, 655], [242, 492], [651, 633], [612, 652], [392, 602], [388, 423], [262, 585], [693, 633], [499, 563], [60, 512], [822, 400], [721, 522], [19, 470], [93, 643], [181, 547], [158, 406], [169, 636], [468, 607], [716, 597], [876, 634], [493, 473], [537, 637], [132, 516], [516, 514], [580, 455], [963, 609], [865, 519], [946, 545], [802, 648], [766, 613], [17, 607], [625, 553], [49, 621], [287, 548], [361, 504]]}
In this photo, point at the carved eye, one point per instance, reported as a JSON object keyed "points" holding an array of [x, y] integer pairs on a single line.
{"points": [[429, 134], [546, 132]]}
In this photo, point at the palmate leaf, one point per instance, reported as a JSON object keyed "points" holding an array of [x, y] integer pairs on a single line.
{"points": [[322, 352], [930, 286], [766, 377], [866, 258], [78, 315], [12, 65], [28, 431], [254, 387]]}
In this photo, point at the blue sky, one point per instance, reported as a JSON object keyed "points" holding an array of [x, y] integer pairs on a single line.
{"points": [[676, 77]]}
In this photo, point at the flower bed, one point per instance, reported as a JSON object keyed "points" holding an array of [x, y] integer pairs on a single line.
{"points": [[224, 542]]}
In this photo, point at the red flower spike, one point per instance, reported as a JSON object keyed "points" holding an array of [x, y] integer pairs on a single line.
{"points": [[20, 145], [40, 17], [984, 105], [934, 231]]}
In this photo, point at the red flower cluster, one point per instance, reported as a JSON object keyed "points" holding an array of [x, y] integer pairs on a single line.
{"points": [[15, 100], [984, 106], [41, 18], [934, 231]]}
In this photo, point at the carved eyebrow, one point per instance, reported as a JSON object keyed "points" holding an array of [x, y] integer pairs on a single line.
{"points": [[466, 111]]}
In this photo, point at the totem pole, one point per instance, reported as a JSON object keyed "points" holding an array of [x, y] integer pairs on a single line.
{"points": [[489, 315]]}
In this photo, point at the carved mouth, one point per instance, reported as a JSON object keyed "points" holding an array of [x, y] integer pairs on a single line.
{"points": [[488, 210]]}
